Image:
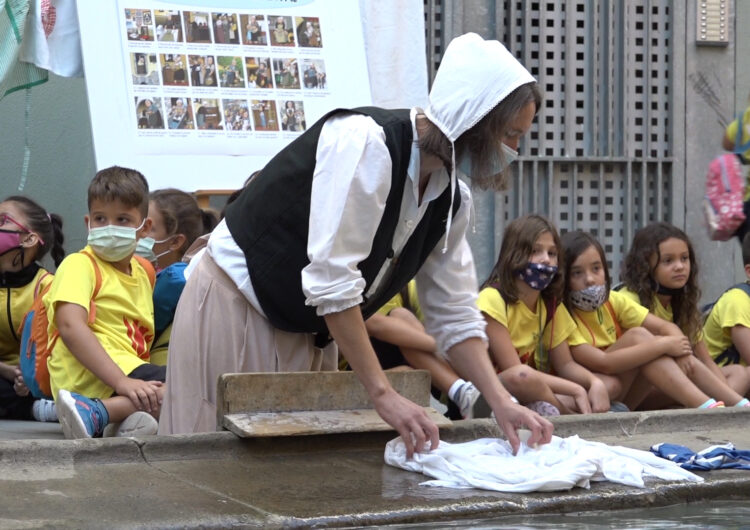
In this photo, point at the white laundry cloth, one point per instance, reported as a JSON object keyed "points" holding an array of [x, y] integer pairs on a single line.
{"points": [[488, 463]]}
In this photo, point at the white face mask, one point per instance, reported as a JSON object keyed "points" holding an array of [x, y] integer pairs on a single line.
{"points": [[113, 243], [497, 165], [145, 248], [589, 298]]}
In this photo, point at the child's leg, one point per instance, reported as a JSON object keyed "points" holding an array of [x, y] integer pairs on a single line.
{"points": [[524, 383], [738, 378], [704, 379], [665, 375]]}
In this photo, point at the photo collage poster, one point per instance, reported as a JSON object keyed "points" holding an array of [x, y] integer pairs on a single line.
{"points": [[226, 78]]}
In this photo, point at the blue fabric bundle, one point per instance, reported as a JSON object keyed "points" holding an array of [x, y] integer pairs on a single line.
{"points": [[714, 457]]}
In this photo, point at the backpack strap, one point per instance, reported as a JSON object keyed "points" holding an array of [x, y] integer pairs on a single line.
{"points": [[97, 286], [618, 329], [38, 285], [148, 267]]}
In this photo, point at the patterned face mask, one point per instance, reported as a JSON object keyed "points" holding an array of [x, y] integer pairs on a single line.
{"points": [[589, 298], [537, 275]]}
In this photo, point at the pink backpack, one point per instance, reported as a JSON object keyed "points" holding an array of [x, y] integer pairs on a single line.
{"points": [[725, 191]]}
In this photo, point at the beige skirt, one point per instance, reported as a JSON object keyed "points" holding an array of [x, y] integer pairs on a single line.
{"points": [[216, 331]]}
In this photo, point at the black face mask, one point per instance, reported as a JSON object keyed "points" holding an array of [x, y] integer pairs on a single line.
{"points": [[660, 289]]}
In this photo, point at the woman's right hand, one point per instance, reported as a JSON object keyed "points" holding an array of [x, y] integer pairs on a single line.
{"points": [[511, 416], [676, 346], [409, 419]]}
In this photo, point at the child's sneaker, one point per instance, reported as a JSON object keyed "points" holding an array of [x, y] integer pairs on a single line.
{"points": [[137, 424], [44, 410], [543, 408], [471, 403], [80, 416]]}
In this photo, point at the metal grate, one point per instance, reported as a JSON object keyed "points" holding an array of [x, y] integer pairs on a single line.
{"points": [[598, 157]]}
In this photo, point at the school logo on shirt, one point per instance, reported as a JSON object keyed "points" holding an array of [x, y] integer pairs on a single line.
{"points": [[139, 337]]}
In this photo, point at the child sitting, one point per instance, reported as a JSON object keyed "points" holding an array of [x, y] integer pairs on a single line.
{"points": [[618, 336], [661, 274], [176, 222], [727, 327], [399, 339], [27, 234], [99, 369], [520, 302]]}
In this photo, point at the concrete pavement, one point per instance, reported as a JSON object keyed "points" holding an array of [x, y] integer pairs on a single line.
{"points": [[218, 480]]}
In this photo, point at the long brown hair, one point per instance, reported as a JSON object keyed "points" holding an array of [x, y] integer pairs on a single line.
{"points": [[518, 243], [638, 275], [574, 244]]}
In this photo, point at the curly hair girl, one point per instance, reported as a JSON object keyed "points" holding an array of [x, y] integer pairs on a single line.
{"points": [[640, 275]]}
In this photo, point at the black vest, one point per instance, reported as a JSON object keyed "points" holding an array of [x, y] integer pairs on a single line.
{"points": [[269, 222]]}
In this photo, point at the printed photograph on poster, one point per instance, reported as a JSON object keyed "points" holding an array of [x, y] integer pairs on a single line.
{"points": [[173, 69], [202, 70], [258, 72], [264, 115], [314, 74], [308, 32], [254, 30], [149, 113], [286, 73], [282, 31], [197, 28], [237, 115], [207, 114], [293, 116], [168, 25], [231, 73], [179, 113], [145, 68], [139, 24], [226, 29]]}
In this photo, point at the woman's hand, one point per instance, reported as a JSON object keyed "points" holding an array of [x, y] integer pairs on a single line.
{"points": [[510, 417], [409, 419]]}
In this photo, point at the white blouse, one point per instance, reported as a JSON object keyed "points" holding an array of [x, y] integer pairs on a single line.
{"points": [[350, 186]]}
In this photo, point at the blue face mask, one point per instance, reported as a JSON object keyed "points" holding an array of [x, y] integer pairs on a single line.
{"points": [[498, 163], [537, 275]]}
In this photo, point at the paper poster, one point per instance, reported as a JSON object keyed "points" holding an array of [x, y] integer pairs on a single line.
{"points": [[215, 80]]}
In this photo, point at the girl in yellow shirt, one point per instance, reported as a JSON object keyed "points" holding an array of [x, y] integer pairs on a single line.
{"points": [[27, 234], [523, 288], [619, 337], [661, 274]]}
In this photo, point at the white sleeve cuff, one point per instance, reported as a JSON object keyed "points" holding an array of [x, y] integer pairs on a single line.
{"points": [[461, 335], [336, 306]]}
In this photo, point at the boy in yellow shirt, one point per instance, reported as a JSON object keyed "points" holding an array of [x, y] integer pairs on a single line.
{"points": [[99, 369], [727, 327]]}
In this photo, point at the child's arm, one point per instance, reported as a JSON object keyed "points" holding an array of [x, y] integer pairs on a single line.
{"points": [[399, 333], [7, 371], [565, 366], [659, 326], [72, 324], [741, 341], [701, 352], [558, 385], [501, 347], [621, 359]]}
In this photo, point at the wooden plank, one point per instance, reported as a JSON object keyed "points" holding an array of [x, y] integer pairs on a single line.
{"points": [[307, 423]]}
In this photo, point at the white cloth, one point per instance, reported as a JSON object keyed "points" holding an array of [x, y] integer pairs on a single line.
{"points": [[394, 45], [352, 176], [488, 463], [52, 40]]}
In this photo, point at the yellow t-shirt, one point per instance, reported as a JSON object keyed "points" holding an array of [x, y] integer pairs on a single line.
{"points": [[397, 301], [731, 309], [15, 302], [124, 323], [598, 328], [657, 308], [731, 134], [525, 326]]}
